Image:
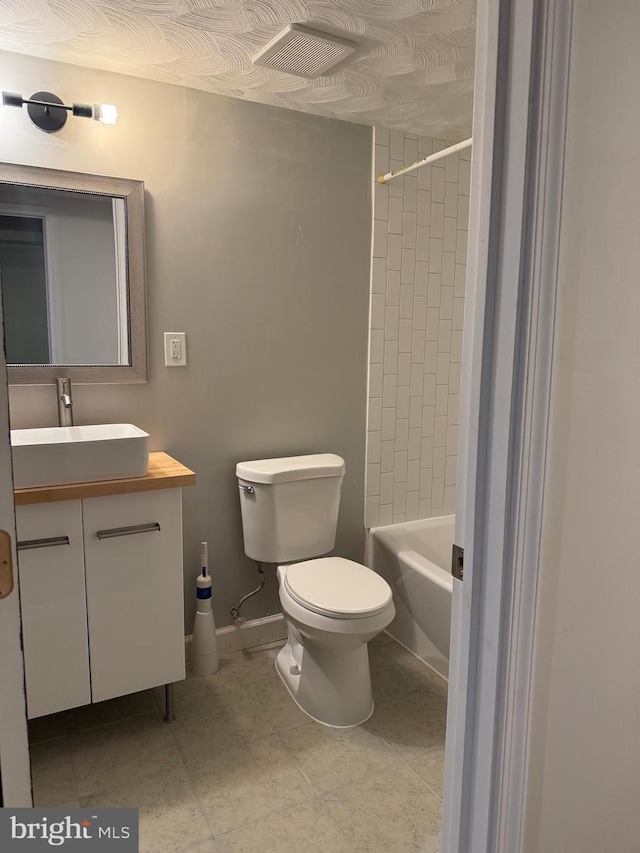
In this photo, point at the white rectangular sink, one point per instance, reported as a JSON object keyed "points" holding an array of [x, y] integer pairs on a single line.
{"points": [[58, 456]]}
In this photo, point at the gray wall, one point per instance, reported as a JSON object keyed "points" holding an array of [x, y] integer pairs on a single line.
{"points": [[585, 751], [259, 248]]}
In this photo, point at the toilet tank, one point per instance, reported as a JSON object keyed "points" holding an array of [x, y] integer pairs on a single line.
{"points": [[290, 506]]}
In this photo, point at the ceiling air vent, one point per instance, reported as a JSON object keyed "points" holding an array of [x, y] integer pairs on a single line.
{"points": [[303, 51]]}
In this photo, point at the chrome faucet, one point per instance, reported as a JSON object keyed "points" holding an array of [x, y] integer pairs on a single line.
{"points": [[65, 402]]}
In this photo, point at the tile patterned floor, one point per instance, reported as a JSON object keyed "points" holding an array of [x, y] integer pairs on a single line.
{"points": [[243, 769]]}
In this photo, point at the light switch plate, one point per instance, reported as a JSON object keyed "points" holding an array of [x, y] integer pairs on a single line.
{"points": [[175, 349]]}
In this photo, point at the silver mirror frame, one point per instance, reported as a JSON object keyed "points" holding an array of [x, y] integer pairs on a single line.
{"points": [[133, 194]]}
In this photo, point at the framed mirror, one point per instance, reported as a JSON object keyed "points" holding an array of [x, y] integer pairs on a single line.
{"points": [[72, 276]]}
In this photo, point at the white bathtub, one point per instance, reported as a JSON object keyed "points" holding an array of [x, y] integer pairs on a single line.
{"points": [[415, 559]]}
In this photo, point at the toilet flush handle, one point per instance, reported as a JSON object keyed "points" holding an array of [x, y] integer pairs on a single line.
{"points": [[248, 489]]}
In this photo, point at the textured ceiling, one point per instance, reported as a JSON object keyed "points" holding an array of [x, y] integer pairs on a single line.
{"points": [[413, 69]]}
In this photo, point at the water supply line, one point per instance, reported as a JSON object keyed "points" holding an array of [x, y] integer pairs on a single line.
{"points": [[235, 611]]}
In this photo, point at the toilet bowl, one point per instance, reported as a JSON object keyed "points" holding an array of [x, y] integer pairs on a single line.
{"points": [[332, 606]]}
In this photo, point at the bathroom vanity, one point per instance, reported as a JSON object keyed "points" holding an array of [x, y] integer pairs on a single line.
{"points": [[101, 586]]}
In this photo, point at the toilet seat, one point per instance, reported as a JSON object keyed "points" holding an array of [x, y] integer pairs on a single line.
{"points": [[336, 587]]}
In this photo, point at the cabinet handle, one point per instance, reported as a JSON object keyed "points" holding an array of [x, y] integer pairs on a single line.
{"points": [[28, 544], [129, 531]]}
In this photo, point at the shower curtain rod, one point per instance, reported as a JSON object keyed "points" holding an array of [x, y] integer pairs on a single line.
{"points": [[437, 156]]}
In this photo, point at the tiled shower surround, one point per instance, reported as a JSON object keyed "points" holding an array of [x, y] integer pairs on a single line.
{"points": [[417, 310]]}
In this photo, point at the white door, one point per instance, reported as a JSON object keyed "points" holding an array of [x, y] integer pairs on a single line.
{"points": [[54, 607], [519, 128], [14, 749]]}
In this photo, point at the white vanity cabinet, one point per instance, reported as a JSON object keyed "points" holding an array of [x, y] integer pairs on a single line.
{"points": [[101, 587]]}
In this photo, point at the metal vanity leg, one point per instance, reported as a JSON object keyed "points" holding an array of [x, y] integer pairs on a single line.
{"points": [[169, 712]]}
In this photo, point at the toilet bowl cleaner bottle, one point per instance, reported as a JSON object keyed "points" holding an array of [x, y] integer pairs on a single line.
{"points": [[204, 648]]}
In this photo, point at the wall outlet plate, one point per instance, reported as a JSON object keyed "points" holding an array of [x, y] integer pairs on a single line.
{"points": [[175, 349]]}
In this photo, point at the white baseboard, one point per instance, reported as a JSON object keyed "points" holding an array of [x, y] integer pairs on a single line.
{"points": [[233, 638]]}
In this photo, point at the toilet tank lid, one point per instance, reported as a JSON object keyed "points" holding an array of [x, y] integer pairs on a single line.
{"points": [[290, 468]]}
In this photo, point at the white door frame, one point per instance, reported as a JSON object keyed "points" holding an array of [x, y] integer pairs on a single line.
{"points": [[15, 770], [522, 61], [118, 213]]}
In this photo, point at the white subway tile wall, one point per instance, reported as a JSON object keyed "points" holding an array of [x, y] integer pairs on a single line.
{"points": [[417, 310]]}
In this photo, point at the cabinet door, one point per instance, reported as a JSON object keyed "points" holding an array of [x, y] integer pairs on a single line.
{"points": [[133, 564], [52, 598]]}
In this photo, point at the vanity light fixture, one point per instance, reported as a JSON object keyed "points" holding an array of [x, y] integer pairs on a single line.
{"points": [[49, 113]]}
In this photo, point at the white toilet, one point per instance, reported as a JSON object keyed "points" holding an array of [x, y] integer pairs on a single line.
{"points": [[333, 606]]}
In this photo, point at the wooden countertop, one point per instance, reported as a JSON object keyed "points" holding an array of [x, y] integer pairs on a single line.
{"points": [[163, 473]]}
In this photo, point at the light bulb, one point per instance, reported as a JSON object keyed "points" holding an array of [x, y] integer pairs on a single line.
{"points": [[106, 113], [11, 99]]}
